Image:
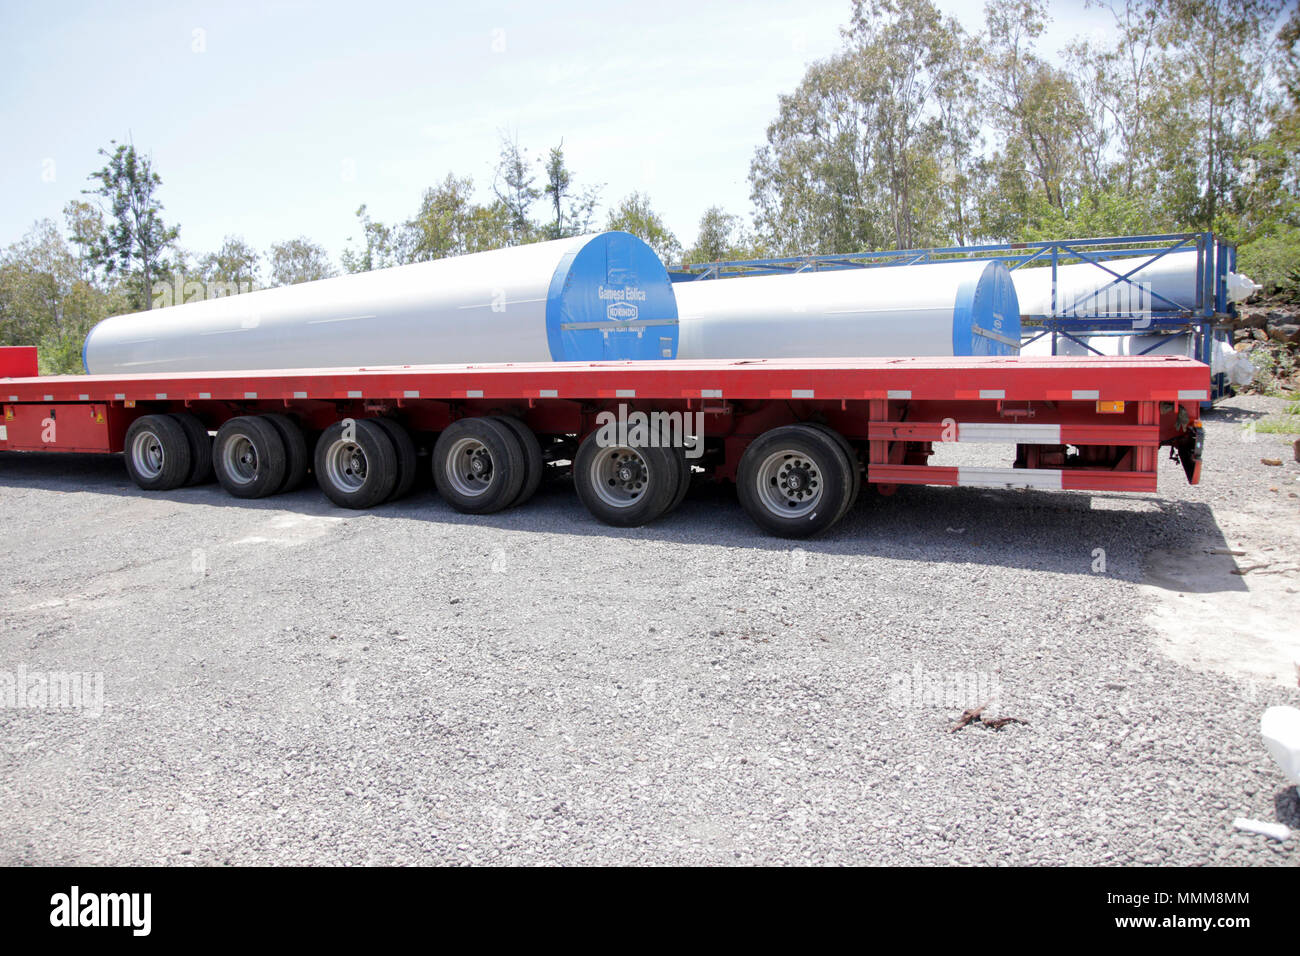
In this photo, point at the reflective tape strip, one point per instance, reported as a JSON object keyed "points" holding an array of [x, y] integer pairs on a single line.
{"points": [[710, 393], [1197, 393], [83, 398], [625, 393], [4, 433], [802, 393], [411, 393], [474, 393], [250, 395], [13, 398], [299, 394], [1085, 393], [205, 394], [160, 395], [993, 393], [50, 398], [120, 396], [548, 393], [354, 393], [1008, 432], [1010, 477], [899, 393]]}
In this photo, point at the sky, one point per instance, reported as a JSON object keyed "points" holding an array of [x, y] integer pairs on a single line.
{"points": [[270, 120]]}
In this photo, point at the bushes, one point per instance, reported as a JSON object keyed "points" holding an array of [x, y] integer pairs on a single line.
{"points": [[1274, 262]]}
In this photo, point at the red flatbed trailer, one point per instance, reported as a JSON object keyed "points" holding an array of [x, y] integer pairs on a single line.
{"points": [[885, 416]]}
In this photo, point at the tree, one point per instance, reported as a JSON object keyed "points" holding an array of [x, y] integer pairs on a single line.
{"points": [[722, 236], [298, 260], [379, 248], [85, 223], [1216, 91], [874, 147], [136, 240], [573, 214], [232, 269], [635, 215], [450, 223], [513, 187], [44, 301], [1037, 107]]}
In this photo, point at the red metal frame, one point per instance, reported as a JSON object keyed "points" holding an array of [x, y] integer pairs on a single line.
{"points": [[894, 410]]}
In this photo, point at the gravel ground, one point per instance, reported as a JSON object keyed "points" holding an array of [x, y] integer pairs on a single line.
{"points": [[286, 682]]}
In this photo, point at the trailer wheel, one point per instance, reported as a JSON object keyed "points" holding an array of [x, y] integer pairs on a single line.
{"points": [[297, 458], [404, 447], [794, 481], [478, 465], [851, 456], [356, 463], [249, 457], [157, 454], [200, 447], [624, 486], [684, 481], [534, 465]]}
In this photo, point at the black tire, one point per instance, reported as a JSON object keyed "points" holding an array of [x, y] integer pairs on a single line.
{"points": [[534, 465], [478, 465], [297, 458], [357, 470], [684, 483], [851, 456], [794, 481], [407, 460], [626, 487], [200, 447], [249, 457], [157, 453]]}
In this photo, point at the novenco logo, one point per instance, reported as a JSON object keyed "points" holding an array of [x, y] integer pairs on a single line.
{"points": [[75, 908]]}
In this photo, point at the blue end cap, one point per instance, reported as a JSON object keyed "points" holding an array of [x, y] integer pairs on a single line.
{"points": [[611, 298], [85, 343], [986, 318]]}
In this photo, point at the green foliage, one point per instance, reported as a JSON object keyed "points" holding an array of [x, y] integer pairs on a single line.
{"points": [[1273, 261], [514, 189], [573, 213], [635, 215], [450, 223], [722, 236], [44, 301], [1274, 369], [232, 269], [298, 260], [920, 134], [135, 241]]}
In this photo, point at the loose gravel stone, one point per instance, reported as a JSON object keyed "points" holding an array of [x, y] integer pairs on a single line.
{"points": [[287, 682]]}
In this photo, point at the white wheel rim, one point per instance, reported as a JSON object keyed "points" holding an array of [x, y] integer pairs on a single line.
{"points": [[790, 483], [619, 476], [469, 468], [240, 459], [346, 465], [147, 454]]}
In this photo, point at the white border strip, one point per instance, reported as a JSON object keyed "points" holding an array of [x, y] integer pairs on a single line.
{"points": [[1049, 478], [989, 432]]}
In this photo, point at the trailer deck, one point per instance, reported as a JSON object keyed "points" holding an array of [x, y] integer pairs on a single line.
{"points": [[1077, 423]]}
